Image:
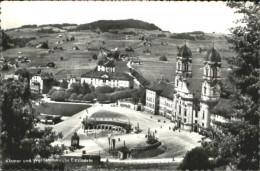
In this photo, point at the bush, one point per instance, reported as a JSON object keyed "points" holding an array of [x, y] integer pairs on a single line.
{"points": [[196, 159], [73, 96], [88, 97], [58, 95], [104, 89], [51, 91], [67, 94], [163, 58], [94, 56], [51, 64], [80, 97]]}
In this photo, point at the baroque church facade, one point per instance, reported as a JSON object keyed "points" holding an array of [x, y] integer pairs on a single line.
{"points": [[183, 109]]}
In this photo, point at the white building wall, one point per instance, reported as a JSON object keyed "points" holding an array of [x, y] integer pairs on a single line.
{"points": [[204, 118], [37, 79], [99, 82], [150, 101]]}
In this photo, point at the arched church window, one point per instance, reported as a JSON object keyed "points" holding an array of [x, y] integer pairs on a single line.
{"points": [[215, 73], [205, 90], [207, 71], [186, 67], [179, 109], [179, 66], [214, 91]]}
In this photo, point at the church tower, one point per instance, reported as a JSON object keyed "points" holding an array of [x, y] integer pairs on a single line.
{"points": [[183, 66], [210, 93], [183, 98]]}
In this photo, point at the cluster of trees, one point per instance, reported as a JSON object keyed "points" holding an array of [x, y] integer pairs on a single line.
{"points": [[114, 54], [86, 92], [129, 49], [44, 45], [71, 38], [182, 36], [42, 30], [106, 25], [238, 143], [21, 140], [8, 42], [29, 26], [161, 35], [76, 92], [129, 33], [60, 26]]}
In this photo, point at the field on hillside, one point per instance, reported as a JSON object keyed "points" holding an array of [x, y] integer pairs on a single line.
{"points": [[151, 68]]}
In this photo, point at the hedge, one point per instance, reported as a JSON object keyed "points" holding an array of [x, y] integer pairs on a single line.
{"points": [[116, 95]]}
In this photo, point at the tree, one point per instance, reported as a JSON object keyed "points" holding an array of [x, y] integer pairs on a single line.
{"points": [[64, 84], [94, 56], [85, 88], [163, 58], [20, 138], [196, 159], [239, 142], [51, 64], [45, 45], [76, 87]]}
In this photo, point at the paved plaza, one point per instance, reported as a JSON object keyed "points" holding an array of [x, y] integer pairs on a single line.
{"points": [[174, 143]]}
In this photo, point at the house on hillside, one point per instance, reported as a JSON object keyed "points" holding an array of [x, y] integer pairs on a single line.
{"points": [[105, 74], [147, 52], [40, 80], [75, 48], [73, 79]]}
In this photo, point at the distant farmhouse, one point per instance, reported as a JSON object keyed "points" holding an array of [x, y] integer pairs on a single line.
{"points": [[105, 74], [177, 102]]}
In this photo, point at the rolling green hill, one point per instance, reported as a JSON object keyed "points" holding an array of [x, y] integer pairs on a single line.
{"points": [[105, 25]]}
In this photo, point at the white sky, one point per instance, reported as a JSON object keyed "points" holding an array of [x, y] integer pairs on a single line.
{"points": [[170, 16]]}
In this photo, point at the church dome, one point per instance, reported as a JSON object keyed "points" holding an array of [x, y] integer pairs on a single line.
{"points": [[184, 52], [213, 56]]}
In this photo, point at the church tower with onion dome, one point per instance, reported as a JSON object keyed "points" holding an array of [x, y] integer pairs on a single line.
{"points": [[183, 98], [183, 65], [210, 93]]}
